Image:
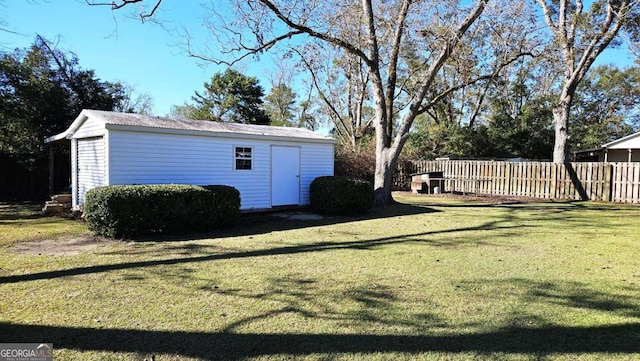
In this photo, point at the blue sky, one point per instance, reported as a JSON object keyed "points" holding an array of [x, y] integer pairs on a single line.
{"points": [[118, 48], [143, 55]]}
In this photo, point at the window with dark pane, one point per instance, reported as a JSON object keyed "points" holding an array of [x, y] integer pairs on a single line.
{"points": [[243, 158]]}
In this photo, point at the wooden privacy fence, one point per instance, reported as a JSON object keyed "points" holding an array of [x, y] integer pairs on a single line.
{"points": [[609, 182]]}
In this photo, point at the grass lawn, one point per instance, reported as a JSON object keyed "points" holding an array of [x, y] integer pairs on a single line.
{"points": [[432, 278]]}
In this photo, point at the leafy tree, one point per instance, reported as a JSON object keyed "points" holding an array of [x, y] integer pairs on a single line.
{"points": [[42, 89], [189, 111], [231, 97], [527, 134], [280, 105], [580, 35], [308, 117], [606, 106], [516, 122]]}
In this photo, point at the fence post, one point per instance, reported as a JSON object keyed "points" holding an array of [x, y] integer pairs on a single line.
{"points": [[507, 177], [608, 178]]}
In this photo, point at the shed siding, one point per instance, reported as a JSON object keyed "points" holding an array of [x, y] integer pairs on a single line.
{"points": [[316, 160], [149, 158], [91, 127], [90, 165], [118, 148]]}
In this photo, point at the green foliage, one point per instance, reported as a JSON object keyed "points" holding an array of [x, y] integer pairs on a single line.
{"points": [[280, 105], [42, 90], [527, 132], [606, 107], [340, 195], [189, 111], [230, 97], [519, 125], [128, 211]]}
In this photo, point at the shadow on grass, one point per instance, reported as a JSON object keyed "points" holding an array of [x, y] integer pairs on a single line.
{"points": [[503, 222], [568, 294], [293, 249], [266, 222], [10, 211], [607, 339]]}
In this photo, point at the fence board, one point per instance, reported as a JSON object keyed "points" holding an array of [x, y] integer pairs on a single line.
{"points": [[616, 182], [636, 183]]}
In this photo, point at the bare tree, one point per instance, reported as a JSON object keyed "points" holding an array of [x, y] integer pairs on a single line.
{"points": [[341, 82], [133, 101], [402, 46], [580, 36]]}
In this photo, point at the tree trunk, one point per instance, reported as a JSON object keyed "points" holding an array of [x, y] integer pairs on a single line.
{"points": [[383, 178], [560, 115], [561, 122], [386, 160]]}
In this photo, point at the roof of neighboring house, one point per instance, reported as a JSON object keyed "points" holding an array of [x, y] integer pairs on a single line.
{"points": [[589, 150], [129, 121], [630, 141]]}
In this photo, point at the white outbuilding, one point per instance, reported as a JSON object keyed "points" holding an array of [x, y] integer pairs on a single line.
{"points": [[270, 166], [625, 149]]}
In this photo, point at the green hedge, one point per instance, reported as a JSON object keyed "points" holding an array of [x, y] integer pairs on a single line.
{"points": [[124, 211], [340, 195]]}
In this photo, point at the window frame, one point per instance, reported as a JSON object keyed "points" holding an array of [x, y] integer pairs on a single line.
{"points": [[242, 157]]}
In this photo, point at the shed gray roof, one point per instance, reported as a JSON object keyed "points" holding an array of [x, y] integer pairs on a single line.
{"points": [[111, 119]]}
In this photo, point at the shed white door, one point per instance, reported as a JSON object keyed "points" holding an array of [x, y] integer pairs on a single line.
{"points": [[90, 165], [285, 176]]}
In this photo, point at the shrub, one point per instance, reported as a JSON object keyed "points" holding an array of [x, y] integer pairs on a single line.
{"points": [[340, 195], [126, 211], [357, 163]]}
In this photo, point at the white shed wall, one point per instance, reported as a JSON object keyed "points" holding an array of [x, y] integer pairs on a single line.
{"points": [[316, 160], [631, 143], [91, 127], [153, 158], [90, 166]]}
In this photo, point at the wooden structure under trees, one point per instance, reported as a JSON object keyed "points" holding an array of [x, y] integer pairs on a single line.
{"points": [[596, 181]]}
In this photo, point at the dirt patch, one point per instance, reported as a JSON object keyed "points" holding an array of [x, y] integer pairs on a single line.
{"points": [[61, 247], [487, 198]]}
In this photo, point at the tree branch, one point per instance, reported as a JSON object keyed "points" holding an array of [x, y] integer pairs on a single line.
{"points": [[304, 29], [445, 53], [393, 60], [598, 43], [61, 66], [119, 4], [329, 104], [491, 77], [547, 16]]}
